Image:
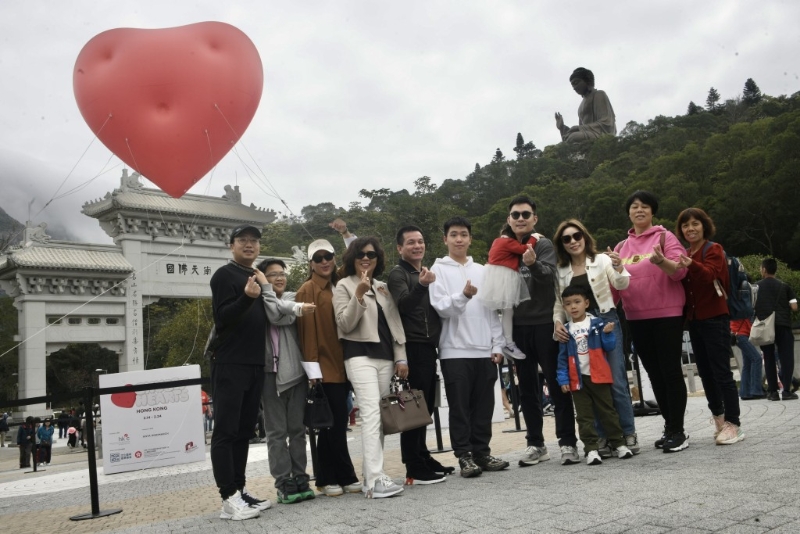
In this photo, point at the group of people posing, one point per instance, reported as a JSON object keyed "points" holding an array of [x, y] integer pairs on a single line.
{"points": [[548, 305]]}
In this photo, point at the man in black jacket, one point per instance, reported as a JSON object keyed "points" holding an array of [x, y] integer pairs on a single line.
{"points": [[237, 371], [408, 283]]}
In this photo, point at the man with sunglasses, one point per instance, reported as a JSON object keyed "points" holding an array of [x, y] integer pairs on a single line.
{"points": [[533, 334], [237, 371]]}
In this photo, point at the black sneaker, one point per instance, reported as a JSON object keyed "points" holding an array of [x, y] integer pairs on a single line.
{"points": [[468, 466], [490, 463], [676, 442], [436, 467], [660, 442], [423, 477], [789, 396], [305, 491], [773, 396]]}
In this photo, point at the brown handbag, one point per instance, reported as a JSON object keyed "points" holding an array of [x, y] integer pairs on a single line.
{"points": [[403, 408]]}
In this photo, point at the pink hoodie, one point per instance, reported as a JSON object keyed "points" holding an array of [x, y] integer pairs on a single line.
{"points": [[651, 293]]}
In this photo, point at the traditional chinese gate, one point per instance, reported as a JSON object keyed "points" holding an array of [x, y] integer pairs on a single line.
{"points": [[77, 293]]}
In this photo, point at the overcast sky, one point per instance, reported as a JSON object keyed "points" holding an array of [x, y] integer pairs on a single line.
{"points": [[376, 94]]}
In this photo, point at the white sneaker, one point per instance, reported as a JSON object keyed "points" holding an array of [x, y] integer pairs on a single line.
{"points": [[593, 458], [623, 452], [512, 351], [384, 487], [355, 487], [255, 502], [331, 490], [236, 509]]}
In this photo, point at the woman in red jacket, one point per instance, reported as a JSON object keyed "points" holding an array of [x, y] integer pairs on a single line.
{"points": [[705, 284]]}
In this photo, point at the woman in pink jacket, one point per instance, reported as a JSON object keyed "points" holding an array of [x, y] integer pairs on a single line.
{"points": [[653, 305]]}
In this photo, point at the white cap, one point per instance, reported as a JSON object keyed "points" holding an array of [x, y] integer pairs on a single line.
{"points": [[319, 244]]}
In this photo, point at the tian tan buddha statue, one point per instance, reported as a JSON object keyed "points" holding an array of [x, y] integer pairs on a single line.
{"points": [[595, 114]]}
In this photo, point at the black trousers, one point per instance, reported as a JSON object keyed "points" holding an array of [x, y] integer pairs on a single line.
{"points": [[711, 343], [469, 384], [536, 341], [784, 341], [333, 457], [237, 393], [658, 345], [421, 376]]}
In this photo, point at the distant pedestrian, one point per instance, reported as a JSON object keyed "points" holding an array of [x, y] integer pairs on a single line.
{"points": [[3, 429], [777, 297], [63, 424], [25, 439], [45, 435]]}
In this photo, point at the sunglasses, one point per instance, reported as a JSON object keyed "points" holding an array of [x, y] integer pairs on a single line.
{"points": [[524, 214], [371, 254], [328, 256], [567, 238]]}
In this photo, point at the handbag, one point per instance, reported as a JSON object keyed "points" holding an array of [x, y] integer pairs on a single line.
{"points": [[403, 408], [318, 412], [763, 331]]}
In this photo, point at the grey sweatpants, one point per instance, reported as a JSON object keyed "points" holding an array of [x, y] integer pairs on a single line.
{"points": [[283, 418]]}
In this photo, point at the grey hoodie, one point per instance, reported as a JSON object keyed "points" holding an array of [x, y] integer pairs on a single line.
{"points": [[282, 313]]}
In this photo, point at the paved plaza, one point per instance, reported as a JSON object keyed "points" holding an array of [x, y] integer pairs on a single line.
{"points": [[750, 487]]}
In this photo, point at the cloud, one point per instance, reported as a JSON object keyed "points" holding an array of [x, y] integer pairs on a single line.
{"points": [[371, 95]]}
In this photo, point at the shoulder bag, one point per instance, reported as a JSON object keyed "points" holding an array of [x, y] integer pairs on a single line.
{"points": [[763, 330]]}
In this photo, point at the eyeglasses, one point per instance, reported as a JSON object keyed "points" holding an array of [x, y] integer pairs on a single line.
{"points": [[247, 240], [524, 214], [328, 256], [371, 254], [276, 275], [567, 238]]}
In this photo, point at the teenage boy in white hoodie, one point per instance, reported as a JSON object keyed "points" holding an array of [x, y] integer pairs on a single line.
{"points": [[470, 346]]}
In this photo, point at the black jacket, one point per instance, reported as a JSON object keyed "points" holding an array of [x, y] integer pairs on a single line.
{"points": [[421, 323]]}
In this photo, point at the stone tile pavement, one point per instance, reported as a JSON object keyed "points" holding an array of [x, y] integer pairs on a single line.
{"points": [[750, 487]]}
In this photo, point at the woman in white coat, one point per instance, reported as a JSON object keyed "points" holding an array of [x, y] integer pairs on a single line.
{"points": [[579, 263]]}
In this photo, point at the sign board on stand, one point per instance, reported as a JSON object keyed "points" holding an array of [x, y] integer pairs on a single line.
{"points": [[152, 428]]}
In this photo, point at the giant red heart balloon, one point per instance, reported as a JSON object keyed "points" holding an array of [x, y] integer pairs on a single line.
{"points": [[169, 102]]}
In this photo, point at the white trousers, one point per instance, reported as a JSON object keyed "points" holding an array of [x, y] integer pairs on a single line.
{"points": [[370, 378]]}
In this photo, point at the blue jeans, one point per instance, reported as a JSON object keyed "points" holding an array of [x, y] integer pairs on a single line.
{"points": [[750, 385], [711, 343], [620, 392]]}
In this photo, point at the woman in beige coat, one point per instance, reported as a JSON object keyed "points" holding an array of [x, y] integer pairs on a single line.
{"points": [[374, 349]]}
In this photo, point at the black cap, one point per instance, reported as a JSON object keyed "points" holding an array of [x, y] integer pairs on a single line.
{"points": [[245, 228]]}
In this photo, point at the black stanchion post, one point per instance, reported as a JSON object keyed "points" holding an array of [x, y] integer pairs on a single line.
{"points": [[437, 422], [514, 396], [93, 489]]}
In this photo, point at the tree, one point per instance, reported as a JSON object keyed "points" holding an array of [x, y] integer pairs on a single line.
{"points": [[526, 150], [423, 186], [751, 94], [9, 362], [498, 157], [693, 109], [184, 337], [712, 99]]}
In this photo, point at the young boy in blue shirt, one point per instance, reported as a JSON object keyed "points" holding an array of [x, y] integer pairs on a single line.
{"points": [[583, 369]]}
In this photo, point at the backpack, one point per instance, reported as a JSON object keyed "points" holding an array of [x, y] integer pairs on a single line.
{"points": [[741, 294]]}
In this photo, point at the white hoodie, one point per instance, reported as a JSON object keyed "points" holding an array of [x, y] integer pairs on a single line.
{"points": [[469, 330]]}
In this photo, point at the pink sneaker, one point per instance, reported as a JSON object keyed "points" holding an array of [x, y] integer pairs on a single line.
{"points": [[719, 423], [730, 434]]}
